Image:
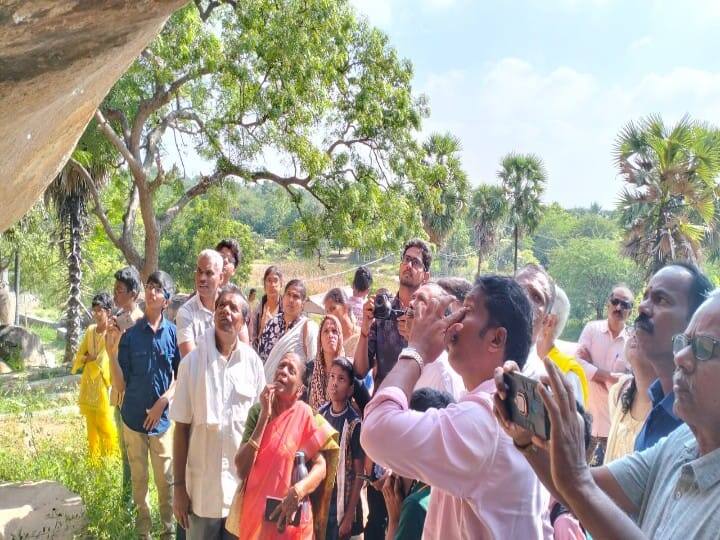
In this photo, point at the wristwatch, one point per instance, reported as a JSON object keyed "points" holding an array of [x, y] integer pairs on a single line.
{"points": [[412, 354]]}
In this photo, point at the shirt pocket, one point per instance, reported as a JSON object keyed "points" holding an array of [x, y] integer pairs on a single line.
{"points": [[140, 363], [242, 396]]}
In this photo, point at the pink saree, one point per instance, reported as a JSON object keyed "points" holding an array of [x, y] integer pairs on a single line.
{"points": [[294, 430]]}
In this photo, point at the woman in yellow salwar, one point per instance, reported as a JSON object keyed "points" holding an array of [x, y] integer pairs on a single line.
{"points": [[277, 428], [94, 402]]}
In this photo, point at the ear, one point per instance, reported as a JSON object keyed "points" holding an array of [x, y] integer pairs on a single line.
{"points": [[498, 339], [426, 277]]}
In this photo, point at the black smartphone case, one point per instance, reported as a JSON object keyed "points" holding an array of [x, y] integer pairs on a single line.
{"points": [[271, 503]]}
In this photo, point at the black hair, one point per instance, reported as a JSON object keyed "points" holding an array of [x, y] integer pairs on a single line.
{"points": [[628, 396], [103, 300], [231, 288], [508, 307], [345, 364], [252, 291], [699, 288], [363, 279], [164, 280], [129, 277], [423, 399], [298, 284], [272, 269], [423, 247], [337, 295], [587, 424], [233, 246], [455, 286]]}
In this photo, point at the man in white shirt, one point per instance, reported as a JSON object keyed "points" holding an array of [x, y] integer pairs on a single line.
{"points": [[217, 384], [439, 374], [196, 315]]}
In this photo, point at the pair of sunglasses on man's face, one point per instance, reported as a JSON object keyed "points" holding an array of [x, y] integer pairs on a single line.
{"points": [[622, 303], [703, 347]]}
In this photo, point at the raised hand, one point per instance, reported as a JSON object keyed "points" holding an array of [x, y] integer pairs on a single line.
{"points": [[430, 325]]}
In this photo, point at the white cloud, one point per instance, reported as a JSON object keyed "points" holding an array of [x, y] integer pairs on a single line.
{"points": [[640, 43], [568, 117]]}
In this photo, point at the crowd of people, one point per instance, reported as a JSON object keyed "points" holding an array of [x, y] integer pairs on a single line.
{"points": [[392, 417]]}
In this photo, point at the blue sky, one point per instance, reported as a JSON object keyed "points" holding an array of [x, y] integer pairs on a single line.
{"points": [[558, 78]]}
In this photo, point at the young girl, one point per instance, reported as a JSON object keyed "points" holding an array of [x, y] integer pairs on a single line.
{"points": [[94, 362], [345, 516]]}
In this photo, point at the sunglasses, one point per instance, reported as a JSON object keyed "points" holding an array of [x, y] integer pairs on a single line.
{"points": [[622, 303], [703, 347]]}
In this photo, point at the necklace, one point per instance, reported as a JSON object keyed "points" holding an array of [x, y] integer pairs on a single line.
{"points": [[341, 413]]}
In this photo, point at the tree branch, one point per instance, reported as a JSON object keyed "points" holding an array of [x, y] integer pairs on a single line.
{"points": [[133, 164], [118, 116], [205, 183]]}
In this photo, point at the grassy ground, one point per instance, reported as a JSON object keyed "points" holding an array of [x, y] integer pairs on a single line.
{"points": [[37, 445], [50, 340]]}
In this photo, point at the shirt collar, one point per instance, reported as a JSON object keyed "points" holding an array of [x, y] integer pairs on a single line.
{"points": [[658, 397], [706, 469], [200, 305], [163, 324], [605, 328]]}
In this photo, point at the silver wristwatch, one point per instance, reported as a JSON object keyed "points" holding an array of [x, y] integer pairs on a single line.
{"points": [[412, 354]]}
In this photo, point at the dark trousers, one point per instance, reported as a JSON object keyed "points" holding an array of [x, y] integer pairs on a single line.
{"points": [[377, 515]]}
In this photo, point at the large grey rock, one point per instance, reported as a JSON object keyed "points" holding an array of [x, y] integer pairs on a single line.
{"points": [[42, 509], [58, 60], [16, 343]]}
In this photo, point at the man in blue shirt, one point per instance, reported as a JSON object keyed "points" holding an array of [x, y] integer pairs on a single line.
{"points": [[671, 298], [147, 362]]}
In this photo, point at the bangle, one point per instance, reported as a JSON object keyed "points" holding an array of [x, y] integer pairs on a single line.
{"points": [[363, 334], [255, 445], [529, 447]]}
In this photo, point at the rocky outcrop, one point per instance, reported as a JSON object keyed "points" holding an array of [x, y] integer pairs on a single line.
{"points": [[58, 60], [40, 510], [20, 349]]}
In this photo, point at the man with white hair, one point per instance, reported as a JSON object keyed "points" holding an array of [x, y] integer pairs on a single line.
{"points": [[196, 315], [552, 329]]}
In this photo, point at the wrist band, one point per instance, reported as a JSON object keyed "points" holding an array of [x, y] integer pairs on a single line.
{"points": [[255, 445]]}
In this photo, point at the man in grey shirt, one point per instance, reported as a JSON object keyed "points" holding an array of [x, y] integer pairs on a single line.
{"points": [[671, 489]]}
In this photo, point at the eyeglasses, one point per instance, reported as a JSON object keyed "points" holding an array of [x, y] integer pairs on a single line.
{"points": [[622, 303], [154, 287], [703, 347], [417, 264]]}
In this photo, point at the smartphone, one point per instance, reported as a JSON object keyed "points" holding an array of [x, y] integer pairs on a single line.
{"points": [[271, 503], [525, 406], [123, 321]]}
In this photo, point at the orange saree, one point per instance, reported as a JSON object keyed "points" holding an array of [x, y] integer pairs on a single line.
{"points": [[295, 430]]}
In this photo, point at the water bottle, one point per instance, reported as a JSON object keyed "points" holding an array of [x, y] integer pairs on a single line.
{"points": [[299, 472]]}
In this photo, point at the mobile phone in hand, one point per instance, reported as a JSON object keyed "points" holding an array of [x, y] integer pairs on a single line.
{"points": [[525, 406]]}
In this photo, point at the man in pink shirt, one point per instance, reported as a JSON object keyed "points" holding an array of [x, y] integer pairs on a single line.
{"points": [[482, 487], [600, 352]]}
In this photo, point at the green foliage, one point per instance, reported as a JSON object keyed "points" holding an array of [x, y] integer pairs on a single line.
{"points": [[488, 211], [523, 178], [668, 205], [587, 269], [205, 221]]}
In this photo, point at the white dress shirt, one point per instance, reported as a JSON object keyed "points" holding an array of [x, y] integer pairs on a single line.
{"points": [[214, 396], [192, 320]]}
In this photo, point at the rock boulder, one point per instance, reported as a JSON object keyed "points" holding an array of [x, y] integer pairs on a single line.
{"points": [[21, 348], [42, 509]]}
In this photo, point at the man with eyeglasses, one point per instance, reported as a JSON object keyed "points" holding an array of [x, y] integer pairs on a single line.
{"points": [[146, 367], [672, 489], [379, 346], [672, 296], [600, 352]]}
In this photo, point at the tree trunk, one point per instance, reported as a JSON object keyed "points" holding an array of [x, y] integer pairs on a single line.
{"points": [[17, 286], [515, 236], [479, 263], [74, 302]]}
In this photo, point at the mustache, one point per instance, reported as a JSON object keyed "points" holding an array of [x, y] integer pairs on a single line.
{"points": [[681, 380], [642, 322]]}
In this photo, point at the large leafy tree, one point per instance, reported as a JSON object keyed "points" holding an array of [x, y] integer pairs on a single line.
{"points": [[488, 212], [668, 203], [523, 179], [299, 93]]}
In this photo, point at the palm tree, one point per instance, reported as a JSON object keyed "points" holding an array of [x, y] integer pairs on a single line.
{"points": [[668, 202], [488, 210], [523, 179], [444, 187], [69, 194]]}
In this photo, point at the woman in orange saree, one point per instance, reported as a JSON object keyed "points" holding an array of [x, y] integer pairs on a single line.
{"points": [[278, 427]]}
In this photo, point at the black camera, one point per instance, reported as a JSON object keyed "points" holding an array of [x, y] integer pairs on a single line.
{"points": [[383, 308], [525, 406]]}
